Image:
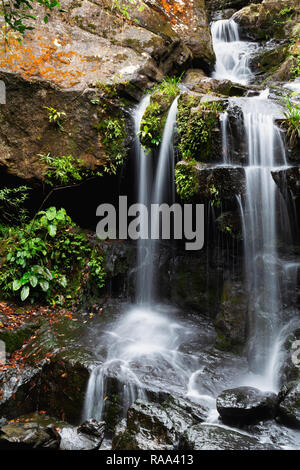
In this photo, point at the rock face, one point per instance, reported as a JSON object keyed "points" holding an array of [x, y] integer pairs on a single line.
{"points": [[208, 437], [197, 81], [231, 319], [245, 405], [288, 178], [289, 407], [39, 431], [207, 182], [80, 63], [150, 426], [269, 19]]}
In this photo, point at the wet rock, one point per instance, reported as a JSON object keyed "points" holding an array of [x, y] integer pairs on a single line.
{"points": [[88, 436], [213, 183], [32, 432], [14, 339], [55, 385], [289, 407], [269, 19], [151, 426], [231, 320], [197, 81], [230, 223], [209, 437], [244, 405], [288, 178]]}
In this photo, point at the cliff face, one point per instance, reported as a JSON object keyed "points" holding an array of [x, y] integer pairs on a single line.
{"points": [[89, 54]]}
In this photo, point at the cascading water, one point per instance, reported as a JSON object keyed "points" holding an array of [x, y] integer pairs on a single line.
{"points": [[163, 191], [265, 151], [232, 54], [145, 336], [264, 215]]}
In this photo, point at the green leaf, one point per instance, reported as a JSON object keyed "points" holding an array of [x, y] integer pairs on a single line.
{"points": [[52, 229], [44, 285], [16, 285], [25, 293], [51, 213], [46, 19], [33, 281]]}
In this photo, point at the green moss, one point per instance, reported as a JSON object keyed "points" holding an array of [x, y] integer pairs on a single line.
{"points": [[226, 344], [186, 181], [196, 121], [154, 119], [15, 339]]}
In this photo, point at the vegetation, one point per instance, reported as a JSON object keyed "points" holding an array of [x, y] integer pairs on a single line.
{"points": [[45, 260], [292, 120], [12, 209], [186, 181], [55, 117], [196, 121], [154, 119], [113, 134], [17, 13], [66, 170]]}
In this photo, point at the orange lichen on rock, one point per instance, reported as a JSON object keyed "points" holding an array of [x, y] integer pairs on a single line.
{"points": [[44, 61], [177, 11]]}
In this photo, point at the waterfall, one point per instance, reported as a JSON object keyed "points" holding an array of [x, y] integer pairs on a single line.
{"points": [[163, 191], [232, 54], [262, 227], [145, 335]]}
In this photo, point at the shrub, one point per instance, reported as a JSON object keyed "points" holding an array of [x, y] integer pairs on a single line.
{"points": [[46, 259], [292, 120]]}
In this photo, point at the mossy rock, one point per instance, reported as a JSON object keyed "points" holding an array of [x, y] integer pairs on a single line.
{"points": [[14, 339], [199, 128], [154, 119]]}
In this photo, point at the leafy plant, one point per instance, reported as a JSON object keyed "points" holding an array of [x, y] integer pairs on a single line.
{"points": [[151, 126], [169, 86], [17, 12], [113, 134], [292, 120], [55, 116], [12, 204], [66, 170], [185, 178], [46, 259]]}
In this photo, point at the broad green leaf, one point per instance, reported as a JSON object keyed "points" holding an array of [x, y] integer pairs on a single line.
{"points": [[51, 213], [33, 281], [44, 285], [25, 293], [16, 285], [52, 229]]}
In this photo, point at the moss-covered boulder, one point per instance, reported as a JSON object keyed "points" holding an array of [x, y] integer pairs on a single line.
{"points": [[154, 118], [199, 135], [198, 181], [14, 339], [269, 19], [196, 81]]}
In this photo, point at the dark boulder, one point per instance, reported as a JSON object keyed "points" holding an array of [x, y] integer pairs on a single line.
{"points": [[231, 320], [208, 437], [289, 407], [245, 405], [150, 426]]}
